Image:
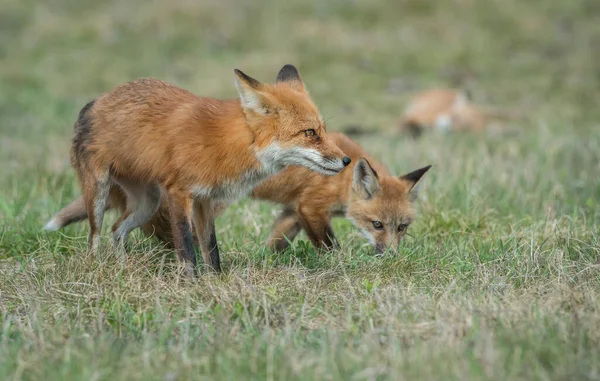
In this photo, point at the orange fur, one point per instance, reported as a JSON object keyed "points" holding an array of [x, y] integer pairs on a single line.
{"points": [[156, 141], [310, 200], [447, 109]]}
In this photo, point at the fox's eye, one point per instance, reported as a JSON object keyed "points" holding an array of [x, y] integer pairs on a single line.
{"points": [[310, 132], [377, 225], [402, 228]]}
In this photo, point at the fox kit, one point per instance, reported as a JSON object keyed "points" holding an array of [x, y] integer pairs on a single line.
{"points": [[378, 204], [153, 140], [381, 206], [446, 109]]}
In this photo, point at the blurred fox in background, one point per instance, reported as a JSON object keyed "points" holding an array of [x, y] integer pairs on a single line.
{"points": [[448, 110]]}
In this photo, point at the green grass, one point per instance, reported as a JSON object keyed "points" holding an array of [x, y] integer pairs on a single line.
{"points": [[499, 279]]}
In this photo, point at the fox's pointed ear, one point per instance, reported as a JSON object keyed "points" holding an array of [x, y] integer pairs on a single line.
{"points": [[250, 96], [290, 75], [365, 182], [413, 178]]}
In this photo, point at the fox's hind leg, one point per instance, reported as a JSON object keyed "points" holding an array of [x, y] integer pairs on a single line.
{"points": [[96, 189], [285, 229], [142, 202], [117, 200], [76, 211]]}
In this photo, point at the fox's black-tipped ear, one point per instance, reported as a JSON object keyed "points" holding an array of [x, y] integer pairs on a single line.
{"points": [[290, 75], [248, 88], [246, 79], [365, 182], [414, 177]]}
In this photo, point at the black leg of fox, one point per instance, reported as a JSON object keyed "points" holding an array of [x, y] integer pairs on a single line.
{"points": [[331, 241], [204, 222]]}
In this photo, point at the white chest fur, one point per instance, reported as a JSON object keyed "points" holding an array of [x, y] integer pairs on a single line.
{"points": [[233, 189]]}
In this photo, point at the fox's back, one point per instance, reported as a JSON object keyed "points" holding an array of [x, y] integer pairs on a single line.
{"points": [[355, 151], [425, 107], [147, 124], [145, 105]]}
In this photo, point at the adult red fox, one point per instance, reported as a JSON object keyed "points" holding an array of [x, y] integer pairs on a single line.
{"points": [[380, 205], [149, 137]]}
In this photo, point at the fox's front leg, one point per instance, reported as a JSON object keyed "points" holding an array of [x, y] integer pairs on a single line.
{"points": [[204, 222], [318, 229], [180, 211]]}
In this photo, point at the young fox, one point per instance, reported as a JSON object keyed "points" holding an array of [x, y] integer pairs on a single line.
{"points": [[378, 204], [447, 109], [150, 138]]}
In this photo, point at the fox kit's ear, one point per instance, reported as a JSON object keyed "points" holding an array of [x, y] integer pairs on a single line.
{"points": [[413, 178], [364, 182], [250, 96], [291, 76]]}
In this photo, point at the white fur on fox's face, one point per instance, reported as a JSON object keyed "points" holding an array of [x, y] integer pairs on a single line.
{"points": [[305, 157], [364, 232]]}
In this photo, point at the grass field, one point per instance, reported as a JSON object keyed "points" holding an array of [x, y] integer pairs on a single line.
{"points": [[499, 279]]}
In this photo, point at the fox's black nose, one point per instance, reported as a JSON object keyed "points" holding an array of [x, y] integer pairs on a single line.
{"points": [[346, 160]]}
